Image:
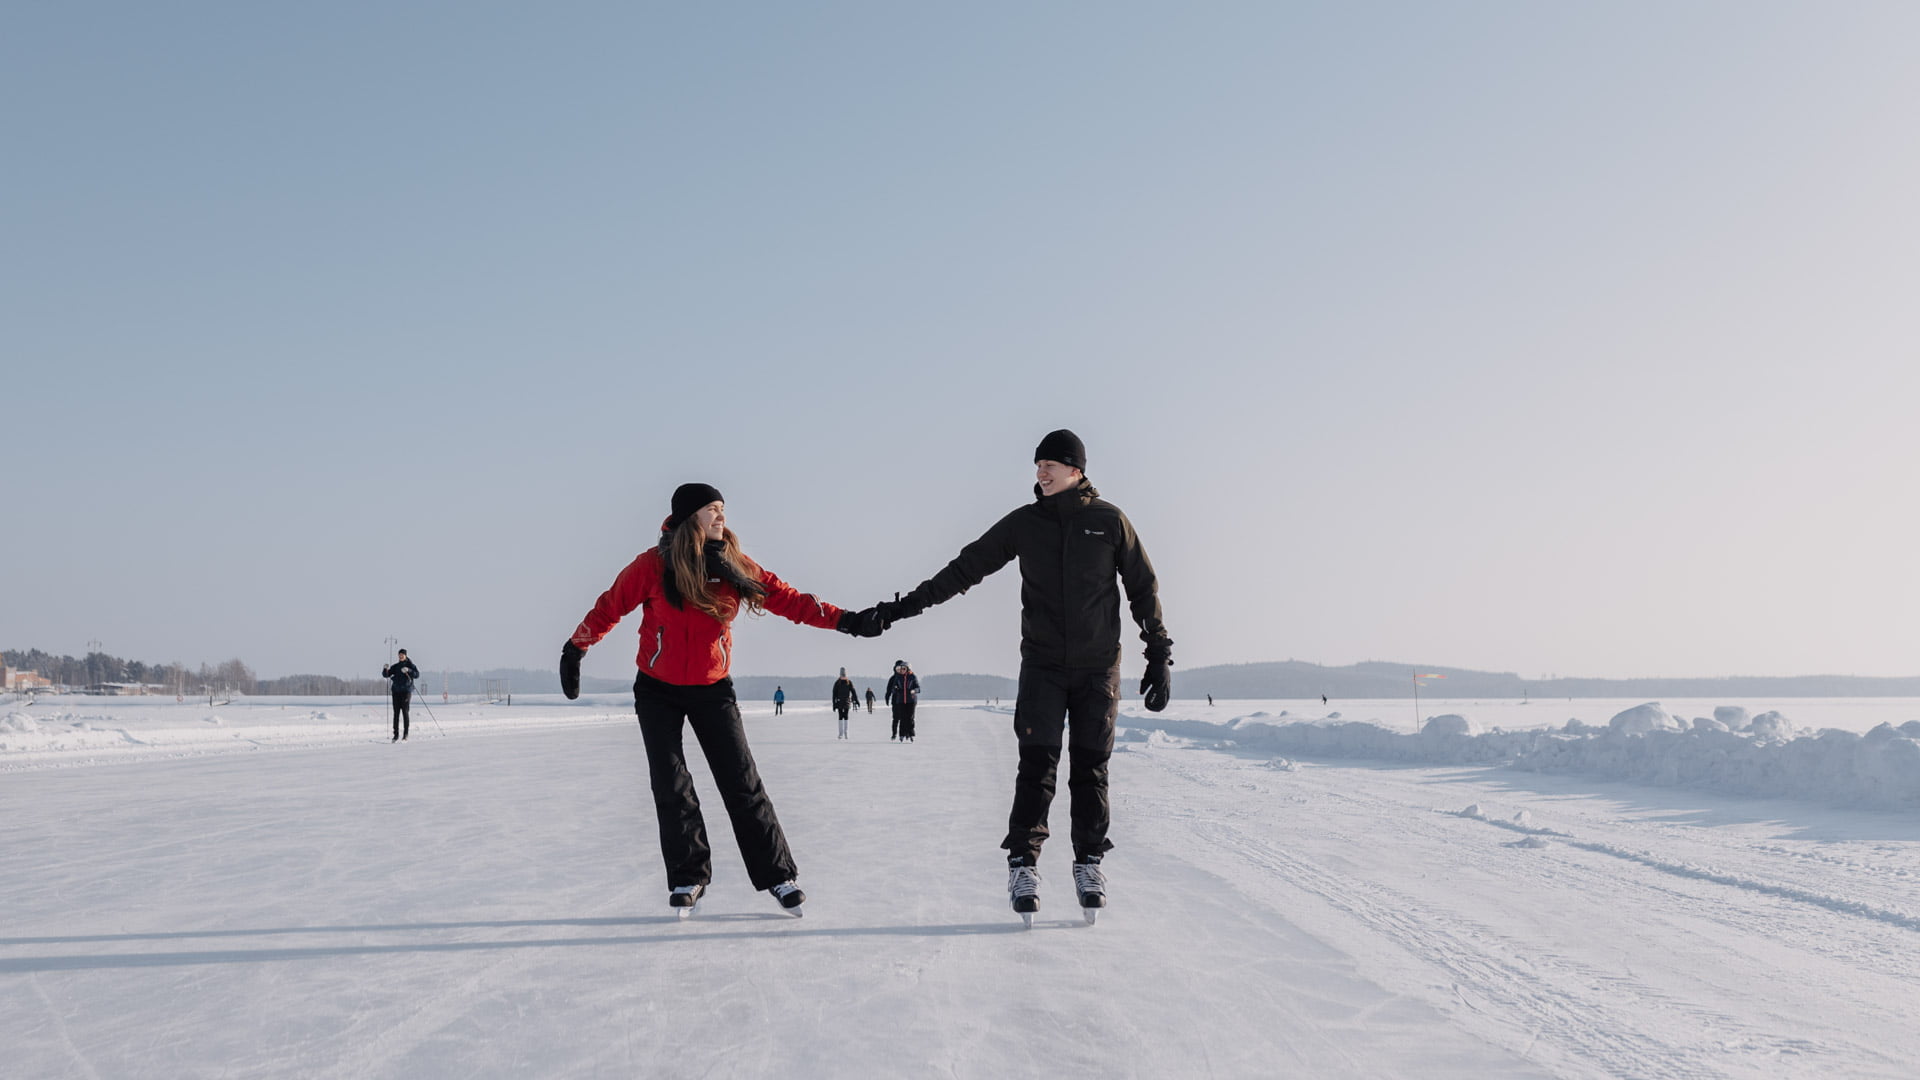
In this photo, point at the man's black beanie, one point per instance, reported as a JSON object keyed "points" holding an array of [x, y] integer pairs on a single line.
{"points": [[689, 498], [1064, 447]]}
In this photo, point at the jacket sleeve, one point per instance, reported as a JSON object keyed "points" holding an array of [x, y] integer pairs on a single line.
{"points": [[631, 589], [1143, 593], [891, 684], [992, 551], [790, 603]]}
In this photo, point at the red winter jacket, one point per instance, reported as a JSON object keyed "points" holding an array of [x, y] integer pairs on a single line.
{"points": [[687, 646]]}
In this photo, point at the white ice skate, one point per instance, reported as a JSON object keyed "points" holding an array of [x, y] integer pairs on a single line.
{"points": [[684, 898]]}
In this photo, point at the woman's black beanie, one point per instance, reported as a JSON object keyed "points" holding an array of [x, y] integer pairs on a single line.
{"points": [[689, 498]]}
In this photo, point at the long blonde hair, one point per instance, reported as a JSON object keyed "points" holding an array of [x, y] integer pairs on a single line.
{"points": [[689, 566]]}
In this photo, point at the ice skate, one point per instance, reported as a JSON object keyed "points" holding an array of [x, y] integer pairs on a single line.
{"points": [[1023, 888], [790, 897], [1091, 884], [684, 898]]}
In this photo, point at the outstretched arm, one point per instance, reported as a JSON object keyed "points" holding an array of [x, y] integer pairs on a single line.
{"points": [[992, 551], [804, 608]]}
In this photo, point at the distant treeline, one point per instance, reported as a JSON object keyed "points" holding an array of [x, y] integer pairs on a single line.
{"points": [[1289, 679], [100, 669]]}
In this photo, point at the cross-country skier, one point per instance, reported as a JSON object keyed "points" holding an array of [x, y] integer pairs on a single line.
{"points": [[400, 675], [690, 586], [1072, 545], [843, 698], [903, 693]]}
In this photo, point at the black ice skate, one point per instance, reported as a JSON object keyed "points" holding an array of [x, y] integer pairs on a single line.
{"points": [[684, 898], [1091, 884], [1023, 888], [790, 897]]}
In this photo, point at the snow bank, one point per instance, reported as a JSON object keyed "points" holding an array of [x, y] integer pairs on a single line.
{"points": [[1644, 744]]}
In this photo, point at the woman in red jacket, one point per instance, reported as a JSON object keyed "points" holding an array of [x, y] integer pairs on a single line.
{"points": [[689, 587]]}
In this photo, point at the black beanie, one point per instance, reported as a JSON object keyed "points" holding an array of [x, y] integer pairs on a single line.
{"points": [[688, 498], [1064, 447]]}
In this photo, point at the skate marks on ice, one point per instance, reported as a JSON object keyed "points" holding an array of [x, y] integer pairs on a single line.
{"points": [[1538, 838], [677, 931], [1516, 943]]}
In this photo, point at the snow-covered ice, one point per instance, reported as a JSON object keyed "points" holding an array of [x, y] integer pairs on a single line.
{"points": [[486, 900]]}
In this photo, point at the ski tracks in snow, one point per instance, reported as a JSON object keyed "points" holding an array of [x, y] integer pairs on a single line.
{"points": [[1612, 976]]}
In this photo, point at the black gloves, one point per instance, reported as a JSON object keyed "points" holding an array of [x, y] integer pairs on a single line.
{"points": [[1157, 684], [892, 611], [570, 656], [868, 623]]}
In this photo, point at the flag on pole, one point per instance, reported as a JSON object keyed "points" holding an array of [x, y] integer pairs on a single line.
{"points": [[1431, 676]]}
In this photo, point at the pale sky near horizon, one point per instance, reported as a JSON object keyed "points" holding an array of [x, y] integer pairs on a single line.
{"points": [[1556, 339]]}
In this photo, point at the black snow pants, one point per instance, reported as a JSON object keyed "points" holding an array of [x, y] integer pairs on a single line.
{"points": [[402, 718], [903, 719], [1079, 704], [714, 715]]}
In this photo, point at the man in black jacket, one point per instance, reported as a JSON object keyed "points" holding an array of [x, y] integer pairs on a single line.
{"points": [[1072, 545], [401, 675]]}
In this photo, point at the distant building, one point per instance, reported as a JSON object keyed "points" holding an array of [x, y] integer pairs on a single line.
{"points": [[26, 680]]}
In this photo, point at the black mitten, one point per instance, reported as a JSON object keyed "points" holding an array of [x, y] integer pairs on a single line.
{"points": [[570, 656], [866, 623], [1157, 684]]}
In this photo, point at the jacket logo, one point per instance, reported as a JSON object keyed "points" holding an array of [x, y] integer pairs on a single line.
{"points": [[1090, 532]]}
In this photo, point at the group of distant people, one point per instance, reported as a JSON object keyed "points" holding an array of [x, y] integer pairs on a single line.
{"points": [[903, 693]]}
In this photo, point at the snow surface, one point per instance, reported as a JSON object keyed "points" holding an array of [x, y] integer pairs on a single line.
{"points": [[306, 899]]}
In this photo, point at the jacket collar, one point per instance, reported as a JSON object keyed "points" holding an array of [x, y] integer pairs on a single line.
{"points": [[1069, 501]]}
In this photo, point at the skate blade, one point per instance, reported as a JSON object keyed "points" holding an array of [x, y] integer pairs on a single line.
{"points": [[1090, 914], [1027, 918]]}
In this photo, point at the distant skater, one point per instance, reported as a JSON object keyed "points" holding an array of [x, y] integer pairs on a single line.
{"points": [[400, 675], [1072, 546], [903, 693], [779, 700], [869, 701], [843, 698], [689, 587], [1209, 699]]}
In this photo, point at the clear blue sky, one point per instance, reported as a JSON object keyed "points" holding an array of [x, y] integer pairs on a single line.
{"points": [[1571, 339]]}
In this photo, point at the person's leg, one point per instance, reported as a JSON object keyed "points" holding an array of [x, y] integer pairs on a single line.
{"points": [[396, 717], [723, 738], [906, 720], [893, 732], [1039, 717], [683, 832], [1093, 702], [406, 715]]}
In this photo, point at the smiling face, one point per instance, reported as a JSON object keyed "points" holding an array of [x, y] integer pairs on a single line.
{"points": [[711, 520], [1054, 476]]}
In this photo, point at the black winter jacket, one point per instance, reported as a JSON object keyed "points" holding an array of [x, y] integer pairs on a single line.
{"points": [[903, 689], [843, 694], [401, 675], [1071, 546]]}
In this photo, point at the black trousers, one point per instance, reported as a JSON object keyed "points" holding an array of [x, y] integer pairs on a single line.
{"points": [[903, 719], [1076, 706], [402, 718], [712, 712]]}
